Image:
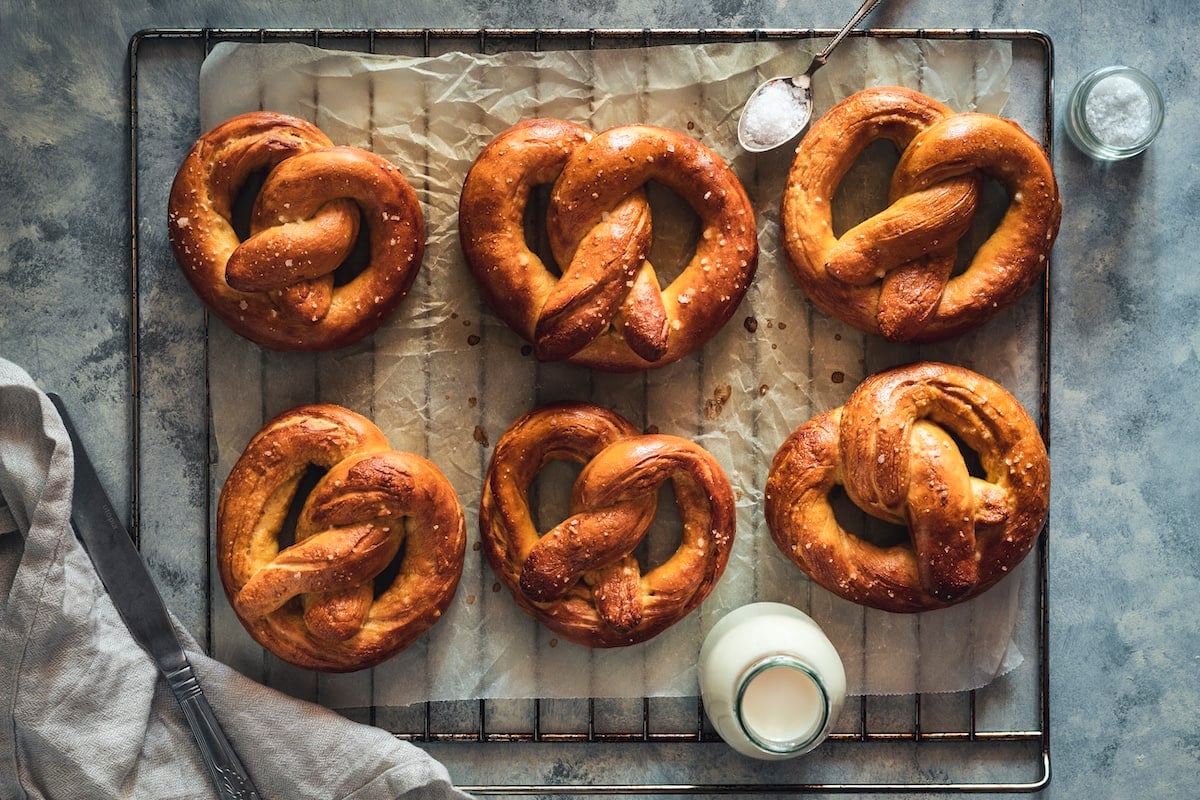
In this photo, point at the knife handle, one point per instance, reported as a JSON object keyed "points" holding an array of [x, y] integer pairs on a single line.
{"points": [[229, 777]]}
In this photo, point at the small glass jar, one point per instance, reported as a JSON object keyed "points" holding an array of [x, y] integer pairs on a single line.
{"points": [[1114, 113], [771, 681]]}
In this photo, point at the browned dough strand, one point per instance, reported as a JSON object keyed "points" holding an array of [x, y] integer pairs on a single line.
{"points": [[581, 578], [892, 273], [608, 311], [277, 287], [890, 447], [314, 603]]}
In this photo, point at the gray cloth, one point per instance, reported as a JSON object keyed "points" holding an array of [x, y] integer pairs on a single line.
{"points": [[85, 714]]}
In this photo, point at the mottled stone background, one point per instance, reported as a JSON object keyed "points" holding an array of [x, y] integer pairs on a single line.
{"points": [[1124, 559]]}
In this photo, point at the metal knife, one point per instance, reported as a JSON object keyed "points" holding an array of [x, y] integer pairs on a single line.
{"points": [[132, 590]]}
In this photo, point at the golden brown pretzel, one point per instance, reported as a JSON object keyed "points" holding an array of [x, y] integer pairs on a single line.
{"points": [[892, 273], [315, 603], [608, 310], [581, 578], [889, 446], [277, 288]]}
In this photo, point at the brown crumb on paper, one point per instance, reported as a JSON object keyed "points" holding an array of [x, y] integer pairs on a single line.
{"points": [[750, 324], [716, 404], [838, 376], [762, 390], [480, 435], [473, 339], [472, 402]]}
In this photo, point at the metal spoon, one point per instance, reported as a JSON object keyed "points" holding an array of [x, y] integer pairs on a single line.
{"points": [[780, 107]]}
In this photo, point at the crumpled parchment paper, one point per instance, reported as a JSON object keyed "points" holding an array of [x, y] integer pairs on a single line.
{"points": [[444, 377]]}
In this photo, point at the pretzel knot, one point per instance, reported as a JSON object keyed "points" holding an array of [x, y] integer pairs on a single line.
{"points": [[379, 541], [281, 286], [608, 310], [582, 578], [892, 274], [893, 449]]}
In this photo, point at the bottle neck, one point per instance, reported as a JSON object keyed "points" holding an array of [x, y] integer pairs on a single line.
{"points": [[782, 705]]}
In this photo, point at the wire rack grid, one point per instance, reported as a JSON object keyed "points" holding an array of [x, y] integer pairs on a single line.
{"points": [[908, 744]]}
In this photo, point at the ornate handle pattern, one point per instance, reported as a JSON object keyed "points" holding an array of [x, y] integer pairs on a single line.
{"points": [[229, 776]]}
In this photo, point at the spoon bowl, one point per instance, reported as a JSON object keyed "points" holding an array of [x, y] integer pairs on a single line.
{"points": [[781, 107], [777, 110]]}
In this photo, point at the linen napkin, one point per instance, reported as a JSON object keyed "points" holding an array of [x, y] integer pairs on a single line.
{"points": [[84, 713]]}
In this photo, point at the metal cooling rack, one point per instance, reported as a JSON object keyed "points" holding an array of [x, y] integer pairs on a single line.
{"points": [[909, 744]]}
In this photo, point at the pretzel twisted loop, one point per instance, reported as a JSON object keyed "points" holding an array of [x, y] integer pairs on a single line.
{"points": [[891, 447], [316, 603], [279, 287], [608, 310], [582, 578], [892, 273]]}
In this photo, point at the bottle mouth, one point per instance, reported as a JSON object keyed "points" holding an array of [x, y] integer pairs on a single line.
{"points": [[782, 705]]}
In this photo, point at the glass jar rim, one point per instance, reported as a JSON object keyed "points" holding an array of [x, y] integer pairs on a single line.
{"points": [[792, 746]]}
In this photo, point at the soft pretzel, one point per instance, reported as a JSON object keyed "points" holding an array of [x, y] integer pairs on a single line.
{"points": [[891, 447], [581, 578], [316, 603], [892, 273], [608, 310], [278, 287]]}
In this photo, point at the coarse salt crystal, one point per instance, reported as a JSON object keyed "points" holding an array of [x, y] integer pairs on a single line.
{"points": [[774, 114], [1118, 111]]}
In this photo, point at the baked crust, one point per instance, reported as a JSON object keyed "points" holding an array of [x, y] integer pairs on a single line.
{"points": [[891, 447], [892, 273], [314, 603], [608, 311], [277, 288], [580, 578]]}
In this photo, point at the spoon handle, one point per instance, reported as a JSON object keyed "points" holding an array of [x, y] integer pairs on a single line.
{"points": [[823, 56]]}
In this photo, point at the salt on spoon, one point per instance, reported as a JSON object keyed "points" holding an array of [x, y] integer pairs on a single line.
{"points": [[780, 107]]}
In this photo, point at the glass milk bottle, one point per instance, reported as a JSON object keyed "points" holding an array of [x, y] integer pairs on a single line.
{"points": [[771, 681]]}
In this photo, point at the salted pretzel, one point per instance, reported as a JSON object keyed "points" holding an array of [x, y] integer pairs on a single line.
{"points": [[891, 447], [892, 274], [608, 310], [279, 287], [581, 578], [329, 602]]}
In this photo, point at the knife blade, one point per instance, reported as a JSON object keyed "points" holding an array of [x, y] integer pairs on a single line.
{"points": [[141, 607]]}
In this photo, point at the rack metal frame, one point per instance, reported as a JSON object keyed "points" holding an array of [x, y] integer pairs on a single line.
{"points": [[426, 729]]}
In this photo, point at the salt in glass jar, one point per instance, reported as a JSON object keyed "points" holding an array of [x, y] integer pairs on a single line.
{"points": [[1114, 113], [771, 681]]}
